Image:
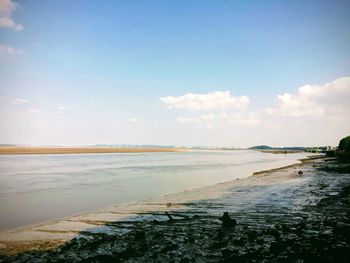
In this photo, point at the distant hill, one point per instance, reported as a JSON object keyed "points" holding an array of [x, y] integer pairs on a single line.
{"points": [[265, 147], [261, 147]]}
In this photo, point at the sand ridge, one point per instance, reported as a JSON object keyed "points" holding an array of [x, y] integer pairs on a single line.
{"points": [[80, 150]]}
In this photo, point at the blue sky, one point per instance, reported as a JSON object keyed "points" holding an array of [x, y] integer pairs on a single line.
{"points": [[86, 72]]}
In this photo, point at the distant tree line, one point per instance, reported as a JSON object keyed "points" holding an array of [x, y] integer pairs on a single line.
{"points": [[344, 145]]}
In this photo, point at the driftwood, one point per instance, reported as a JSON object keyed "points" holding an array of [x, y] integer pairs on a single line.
{"points": [[227, 221], [169, 216]]}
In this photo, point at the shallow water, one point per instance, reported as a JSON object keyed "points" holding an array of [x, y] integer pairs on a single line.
{"points": [[37, 188]]}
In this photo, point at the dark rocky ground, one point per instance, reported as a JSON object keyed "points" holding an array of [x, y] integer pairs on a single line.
{"points": [[303, 219]]}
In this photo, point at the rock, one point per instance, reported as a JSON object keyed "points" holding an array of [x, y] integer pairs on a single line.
{"points": [[103, 258], [239, 242], [228, 252], [285, 228], [128, 252], [217, 245], [227, 221], [186, 260], [169, 247], [273, 232], [139, 236], [252, 235], [220, 235], [191, 239], [300, 172]]}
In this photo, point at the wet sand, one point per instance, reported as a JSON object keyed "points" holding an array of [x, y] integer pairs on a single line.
{"points": [[80, 150], [282, 216]]}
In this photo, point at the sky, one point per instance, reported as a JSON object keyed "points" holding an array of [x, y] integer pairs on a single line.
{"points": [[184, 73]]}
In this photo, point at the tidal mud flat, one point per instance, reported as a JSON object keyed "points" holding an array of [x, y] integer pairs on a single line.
{"points": [[282, 216]]}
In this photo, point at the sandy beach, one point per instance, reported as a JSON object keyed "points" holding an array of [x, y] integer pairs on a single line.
{"points": [[80, 150], [282, 216]]}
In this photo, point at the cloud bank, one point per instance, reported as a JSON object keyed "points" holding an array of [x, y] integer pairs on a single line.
{"points": [[330, 100], [208, 101], [326, 105], [7, 7]]}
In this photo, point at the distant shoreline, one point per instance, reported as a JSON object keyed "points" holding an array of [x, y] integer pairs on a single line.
{"points": [[80, 150], [276, 151]]}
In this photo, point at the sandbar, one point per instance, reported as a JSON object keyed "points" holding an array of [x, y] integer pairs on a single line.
{"points": [[80, 150]]}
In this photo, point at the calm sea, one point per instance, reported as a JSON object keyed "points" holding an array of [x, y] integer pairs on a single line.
{"points": [[37, 188]]}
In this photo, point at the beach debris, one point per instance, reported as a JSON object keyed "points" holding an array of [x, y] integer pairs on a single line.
{"points": [[190, 239], [169, 216], [227, 220], [168, 204], [300, 172]]}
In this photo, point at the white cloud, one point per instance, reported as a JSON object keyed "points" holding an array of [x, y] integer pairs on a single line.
{"points": [[327, 100], [311, 115], [295, 106], [19, 101], [6, 50], [232, 108], [7, 7], [33, 111], [133, 120], [208, 101]]}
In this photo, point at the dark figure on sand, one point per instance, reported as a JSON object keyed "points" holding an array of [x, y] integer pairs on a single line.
{"points": [[227, 221]]}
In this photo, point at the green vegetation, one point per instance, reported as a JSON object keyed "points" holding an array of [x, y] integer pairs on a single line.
{"points": [[344, 144], [265, 147]]}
